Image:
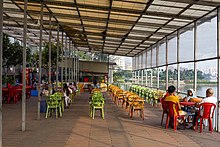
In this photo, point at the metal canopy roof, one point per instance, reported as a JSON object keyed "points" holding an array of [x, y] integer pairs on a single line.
{"points": [[117, 27]]}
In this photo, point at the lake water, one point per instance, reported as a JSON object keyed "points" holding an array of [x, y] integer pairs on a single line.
{"points": [[201, 89]]}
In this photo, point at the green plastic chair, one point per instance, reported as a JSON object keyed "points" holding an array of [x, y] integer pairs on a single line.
{"points": [[97, 103], [59, 96], [53, 103]]}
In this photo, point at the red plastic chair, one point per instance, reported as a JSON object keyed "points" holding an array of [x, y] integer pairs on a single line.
{"points": [[164, 109], [10, 95], [207, 114], [173, 113]]}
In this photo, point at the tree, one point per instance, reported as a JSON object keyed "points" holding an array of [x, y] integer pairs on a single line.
{"points": [[100, 57], [83, 55], [34, 59], [45, 55], [13, 52]]}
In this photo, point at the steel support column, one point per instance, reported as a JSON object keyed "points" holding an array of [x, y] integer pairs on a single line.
{"points": [[69, 62], [49, 64], [135, 77], [72, 61], [195, 63], [142, 77], [218, 88], [74, 64], [146, 69], [1, 56], [178, 58], [65, 53], [167, 76], [62, 52], [157, 63], [146, 77], [23, 116], [151, 78], [40, 63], [133, 63], [58, 51], [151, 74], [138, 76]]}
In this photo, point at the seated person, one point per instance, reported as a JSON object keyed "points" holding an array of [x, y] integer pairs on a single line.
{"points": [[191, 97], [173, 98], [67, 91], [208, 99], [95, 85], [190, 94]]}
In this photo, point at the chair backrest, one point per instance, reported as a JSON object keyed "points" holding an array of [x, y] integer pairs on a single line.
{"points": [[163, 104], [172, 108], [207, 110]]}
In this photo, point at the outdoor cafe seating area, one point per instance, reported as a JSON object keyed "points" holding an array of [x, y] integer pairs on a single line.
{"points": [[131, 102]]}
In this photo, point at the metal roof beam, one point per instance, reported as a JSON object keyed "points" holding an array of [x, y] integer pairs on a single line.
{"points": [[145, 9], [107, 22], [114, 9]]}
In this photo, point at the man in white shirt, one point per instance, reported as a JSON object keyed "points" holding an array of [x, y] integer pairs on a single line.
{"points": [[208, 99]]}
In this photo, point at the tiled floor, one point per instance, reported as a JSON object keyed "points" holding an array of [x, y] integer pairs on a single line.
{"points": [[77, 129]]}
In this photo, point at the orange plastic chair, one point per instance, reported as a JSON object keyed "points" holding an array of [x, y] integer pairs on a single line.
{"points": [[137, 105], [173, 113], [207, 114]]}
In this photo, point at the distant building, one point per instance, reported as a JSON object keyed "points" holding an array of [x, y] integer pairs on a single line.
{"points": [[120, 61]]}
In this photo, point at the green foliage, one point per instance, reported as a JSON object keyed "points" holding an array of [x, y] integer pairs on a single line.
{"points": [[100, 57], [13, 52], [122, 75], [185, 75], [8, 79], [83, 55], [45, 54]]}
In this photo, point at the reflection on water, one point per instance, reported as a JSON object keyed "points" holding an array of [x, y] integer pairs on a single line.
{"points": [[201, 89]]}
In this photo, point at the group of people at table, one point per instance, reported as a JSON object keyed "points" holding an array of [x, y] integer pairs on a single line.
{"points": [[190, 101]]}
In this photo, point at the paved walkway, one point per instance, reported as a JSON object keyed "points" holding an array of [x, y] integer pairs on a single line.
{"points": [[77, 129]]}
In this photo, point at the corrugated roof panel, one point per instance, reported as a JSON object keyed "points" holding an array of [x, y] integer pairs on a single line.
{"points": [[64, 11], [125, 26], [156, 37], [93, 14], [94, 2], [145, 28], [123, 17], [167, 3], [190, 12], [164, 9], [86, 22], [115, 42], [127, 5], [180, 24], [137, 35], [69, 20], [131, 40], [207, 8], [159, 21], [129, 44], [94, 36]]}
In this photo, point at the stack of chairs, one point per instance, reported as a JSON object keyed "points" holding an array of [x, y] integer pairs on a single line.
{"points": [[55, 103], [131, 100], [96, 103]]}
